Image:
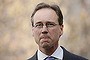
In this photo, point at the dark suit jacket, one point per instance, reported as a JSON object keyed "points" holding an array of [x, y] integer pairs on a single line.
{"points": [[66, 56]]}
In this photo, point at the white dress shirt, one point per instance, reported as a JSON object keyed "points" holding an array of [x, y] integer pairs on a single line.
{"points": [[57, 54]]}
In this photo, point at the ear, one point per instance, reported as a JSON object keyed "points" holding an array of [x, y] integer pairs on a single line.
{"points": [[61, 29], [32, 31]]}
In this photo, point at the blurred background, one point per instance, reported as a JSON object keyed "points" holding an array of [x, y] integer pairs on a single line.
{"points": [[16, 41]]}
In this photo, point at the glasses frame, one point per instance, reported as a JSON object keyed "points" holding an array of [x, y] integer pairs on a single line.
{"points": [[47, 24]]}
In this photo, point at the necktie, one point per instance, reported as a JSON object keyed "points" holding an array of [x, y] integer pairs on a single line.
{"points": [[51, 58]]}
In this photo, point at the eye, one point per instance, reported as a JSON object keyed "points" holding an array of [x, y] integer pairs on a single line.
{"points": [[50, 24], [39, 25]]}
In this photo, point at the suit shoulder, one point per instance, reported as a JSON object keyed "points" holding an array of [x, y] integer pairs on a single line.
{"points": [[70, 56], [33, 57], [76, 57]]}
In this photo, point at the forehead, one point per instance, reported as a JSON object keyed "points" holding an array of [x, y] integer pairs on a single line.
{"points": [[45, 14]]}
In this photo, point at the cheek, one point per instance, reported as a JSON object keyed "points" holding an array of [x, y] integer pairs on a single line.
{"points": [[36, 34], [55, 33]]}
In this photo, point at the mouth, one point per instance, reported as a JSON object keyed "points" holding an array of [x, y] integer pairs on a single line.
{"points": [[45, 38]]}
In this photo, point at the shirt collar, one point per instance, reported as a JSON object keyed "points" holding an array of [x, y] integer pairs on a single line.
{"points": [[58, 54]]}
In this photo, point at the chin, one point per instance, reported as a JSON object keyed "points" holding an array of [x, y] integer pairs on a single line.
{"points": [[46, 46]]}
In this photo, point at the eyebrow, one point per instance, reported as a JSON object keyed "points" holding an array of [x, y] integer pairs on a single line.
{"points": [[50, 22], [38, 22], [46, 22]]}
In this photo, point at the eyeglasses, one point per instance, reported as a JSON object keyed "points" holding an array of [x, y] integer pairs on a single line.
{"points": [[48, 25]]}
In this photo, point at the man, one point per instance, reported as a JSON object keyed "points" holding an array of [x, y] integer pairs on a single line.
{"points": [[47, 28]]}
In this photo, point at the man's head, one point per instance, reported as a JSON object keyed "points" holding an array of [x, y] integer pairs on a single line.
{"points": [[53, 7], [47, 25]]}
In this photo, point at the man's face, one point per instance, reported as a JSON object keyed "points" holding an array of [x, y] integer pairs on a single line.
{"points": [[46, 30]]}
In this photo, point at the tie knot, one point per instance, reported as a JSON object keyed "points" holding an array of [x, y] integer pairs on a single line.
{"points": [[51, 58]]}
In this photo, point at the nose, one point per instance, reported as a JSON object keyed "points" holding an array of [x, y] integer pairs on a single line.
{"points": [[44, 30]]}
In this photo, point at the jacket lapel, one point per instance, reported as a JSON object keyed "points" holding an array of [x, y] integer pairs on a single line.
{"points": [[34, 57], [66, 54]]}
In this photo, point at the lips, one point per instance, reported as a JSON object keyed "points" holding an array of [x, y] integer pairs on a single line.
{"points": [[44, 37]]}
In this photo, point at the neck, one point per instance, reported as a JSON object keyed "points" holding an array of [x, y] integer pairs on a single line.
{"points": [[49, 51]]}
